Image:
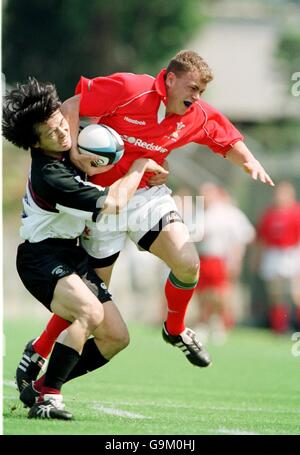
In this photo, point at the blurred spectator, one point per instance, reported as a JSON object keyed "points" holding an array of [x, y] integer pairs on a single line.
{"points": [[227, 231], [278, 256]]}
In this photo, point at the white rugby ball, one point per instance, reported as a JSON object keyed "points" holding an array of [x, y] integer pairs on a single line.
{"points": [[103, 141]]}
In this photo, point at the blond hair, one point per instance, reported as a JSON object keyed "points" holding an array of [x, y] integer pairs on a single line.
{"points": [[185, 61]]}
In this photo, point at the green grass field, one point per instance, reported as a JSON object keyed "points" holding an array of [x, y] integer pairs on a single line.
{"points": [[150, 389]]}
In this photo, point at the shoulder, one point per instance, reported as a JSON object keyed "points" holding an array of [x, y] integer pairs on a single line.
{"points": [[205, 108], [119, 81], [58, 171], [134, 83]]}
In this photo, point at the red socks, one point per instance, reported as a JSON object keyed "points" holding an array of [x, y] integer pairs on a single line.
{"points": [[46, 340], [178, 295], [298, 316], [279, 318]]}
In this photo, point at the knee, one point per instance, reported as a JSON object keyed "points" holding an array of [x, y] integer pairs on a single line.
{"points": [[188, 269], [123, 340], [120, 340], [91, 316]]}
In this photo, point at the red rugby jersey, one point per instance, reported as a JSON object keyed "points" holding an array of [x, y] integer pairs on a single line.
{"points": [[134, 105], [280, 227]]}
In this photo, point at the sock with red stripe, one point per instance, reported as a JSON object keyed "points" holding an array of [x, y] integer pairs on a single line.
{"points": [[178, 295], [44, 343]]}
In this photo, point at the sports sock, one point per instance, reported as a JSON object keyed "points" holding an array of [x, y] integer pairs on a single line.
{"points": [[90, 359], [62, 361], [279, 317], [178, 295], [298, 317], [44, 343]]}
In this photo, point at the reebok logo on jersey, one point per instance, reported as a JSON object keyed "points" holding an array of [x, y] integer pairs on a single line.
{"points": [[144, 145], [136, 122]]}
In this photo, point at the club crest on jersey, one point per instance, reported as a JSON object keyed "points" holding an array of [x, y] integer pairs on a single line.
{"points": [[175, 135]]}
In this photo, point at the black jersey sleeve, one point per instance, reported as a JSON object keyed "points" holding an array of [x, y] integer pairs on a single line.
{"points": [[71, 193]]}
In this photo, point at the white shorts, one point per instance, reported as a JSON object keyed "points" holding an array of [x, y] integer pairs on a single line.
{"points": [[278, 262], [143, 212]]}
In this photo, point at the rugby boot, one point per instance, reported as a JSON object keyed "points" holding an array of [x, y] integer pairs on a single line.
{"points": [[189, 344], [52, 407]]}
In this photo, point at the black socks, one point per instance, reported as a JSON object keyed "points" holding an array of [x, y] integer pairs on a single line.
{"points": [[62, 361], [90, 359]]}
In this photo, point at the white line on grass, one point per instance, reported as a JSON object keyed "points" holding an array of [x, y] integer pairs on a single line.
{"points": [[118, 412], [235, 432], [203, 407], [9, 383]]}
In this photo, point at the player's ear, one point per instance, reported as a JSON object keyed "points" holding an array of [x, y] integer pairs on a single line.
{"points": [[36, 145], [170, 79], [35, 130]]}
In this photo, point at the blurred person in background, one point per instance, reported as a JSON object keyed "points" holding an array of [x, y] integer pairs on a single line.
{"points": [[277, 258], [227, 232], [155, 116]]}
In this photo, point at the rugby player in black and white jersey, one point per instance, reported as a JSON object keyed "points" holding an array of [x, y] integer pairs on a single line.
{"points": [[51, 264]]}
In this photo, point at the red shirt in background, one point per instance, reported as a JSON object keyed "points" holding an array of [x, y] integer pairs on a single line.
{"points": [[280, 226]]}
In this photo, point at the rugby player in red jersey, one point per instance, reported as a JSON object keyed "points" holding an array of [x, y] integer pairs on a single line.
{"points": [[278, 256], [153, 116]]}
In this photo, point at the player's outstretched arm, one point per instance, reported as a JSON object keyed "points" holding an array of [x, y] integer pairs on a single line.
{"points": [[121, 191], [240, 154]]}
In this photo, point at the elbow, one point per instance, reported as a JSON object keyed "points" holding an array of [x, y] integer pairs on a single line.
{"points": [[122, 203], [112, 208], [69, 105], [118, 207], [115, 205]]}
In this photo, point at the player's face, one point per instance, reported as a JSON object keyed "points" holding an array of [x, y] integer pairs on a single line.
{"points": [[54, 134], [182, 91]]}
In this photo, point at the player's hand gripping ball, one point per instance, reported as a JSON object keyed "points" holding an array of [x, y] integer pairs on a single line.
{"points": [[103, 141]]}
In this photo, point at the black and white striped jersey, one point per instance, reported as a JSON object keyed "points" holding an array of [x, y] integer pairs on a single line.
{"points": [[58, 201]]}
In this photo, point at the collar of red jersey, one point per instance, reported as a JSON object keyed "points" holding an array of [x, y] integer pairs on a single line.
{"points": [[160, 85]]}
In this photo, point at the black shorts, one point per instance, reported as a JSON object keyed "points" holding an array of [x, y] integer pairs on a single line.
{"points": [[40, 265]]}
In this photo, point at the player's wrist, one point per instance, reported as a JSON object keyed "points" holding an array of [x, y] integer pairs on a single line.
{"points": [[139, 164]]}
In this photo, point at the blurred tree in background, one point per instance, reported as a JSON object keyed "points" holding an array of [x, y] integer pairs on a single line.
{"points": [[289, 50], [283, 135], [58, 40]]}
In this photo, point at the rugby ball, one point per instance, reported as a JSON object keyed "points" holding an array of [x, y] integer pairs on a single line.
{"points": [[103, 141]]}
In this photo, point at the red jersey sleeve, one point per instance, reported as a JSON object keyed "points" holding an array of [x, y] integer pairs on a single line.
{"points": [[217, 132], [102, 95]]}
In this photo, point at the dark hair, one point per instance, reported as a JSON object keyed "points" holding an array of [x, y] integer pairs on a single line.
{"points": [[185, 61], [23, 107]]}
